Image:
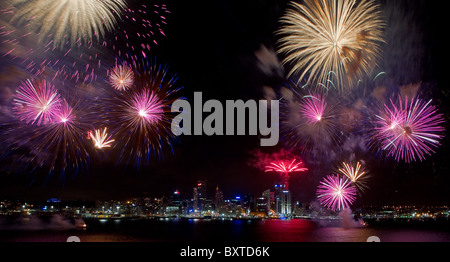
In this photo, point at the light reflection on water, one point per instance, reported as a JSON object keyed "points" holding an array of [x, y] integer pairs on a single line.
{"points": [[179, 230]]}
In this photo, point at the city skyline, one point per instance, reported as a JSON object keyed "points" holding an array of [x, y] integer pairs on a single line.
{"points": [[227, 50]]}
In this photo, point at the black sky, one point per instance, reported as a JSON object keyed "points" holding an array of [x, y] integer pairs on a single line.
{"points": [[211, 47]]}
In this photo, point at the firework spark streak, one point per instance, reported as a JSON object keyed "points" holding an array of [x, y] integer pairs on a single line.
{"points": [[68, 20], [336, 193], [340, 36], [356, 174], [409, 131], [140, 28], [35, 102], [100, 138], [121, 77]]}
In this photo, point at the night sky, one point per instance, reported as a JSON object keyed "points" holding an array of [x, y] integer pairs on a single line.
{"points": [[216, 47]]}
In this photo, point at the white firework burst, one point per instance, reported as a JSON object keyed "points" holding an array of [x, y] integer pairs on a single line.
{"points": [[343, 37], [67, 20], [121, 77]]}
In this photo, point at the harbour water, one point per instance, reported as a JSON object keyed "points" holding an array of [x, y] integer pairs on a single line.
{"points": [[206, 230]]}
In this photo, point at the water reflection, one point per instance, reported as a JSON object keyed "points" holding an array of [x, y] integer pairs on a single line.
{"points": [[294, 230]]}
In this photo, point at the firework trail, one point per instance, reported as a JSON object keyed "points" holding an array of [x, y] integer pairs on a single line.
{"points": [[36, 102], [140, 28], [336, 193], [337, 36], [408, 131], [68, 20]]}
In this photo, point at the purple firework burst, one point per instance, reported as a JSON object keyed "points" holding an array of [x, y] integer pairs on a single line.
{"points": [[336, 193], [36, 102], [313, 108], [409, 131]]}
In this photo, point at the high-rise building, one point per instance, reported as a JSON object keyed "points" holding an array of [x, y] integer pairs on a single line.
{"points": [[218, 199], [195, 202], [261, 205], [201, 188], [283, 205], [200, 195], [270, 200], [248, 203], [175, 199]]}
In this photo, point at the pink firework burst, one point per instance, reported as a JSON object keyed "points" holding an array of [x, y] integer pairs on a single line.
{"points": [[121, 77], [336, 193], [146, 107], [63, 113], [36, 102], [141, 116], [313, 108], [285, 167], [411, 130]]}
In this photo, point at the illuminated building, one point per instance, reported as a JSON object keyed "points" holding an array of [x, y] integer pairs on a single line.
{"points": [[235, 207], [174, 208], [175, 199], [270, 198], [199, 196], [282, 201], [218, 200], [201, 189], [195, 202], [261, 204], [248, 203]]}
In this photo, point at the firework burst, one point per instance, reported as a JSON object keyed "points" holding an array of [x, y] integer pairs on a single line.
{"points": [[409, 131], [59, 145], [68, 20], [337, 36], [286, 167], [100, 138], [336, 193], [142, 115], [121, 77], [356, 173], [311, 121], [36, 102], [79, 61], [313, 108], [143, 109]]}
